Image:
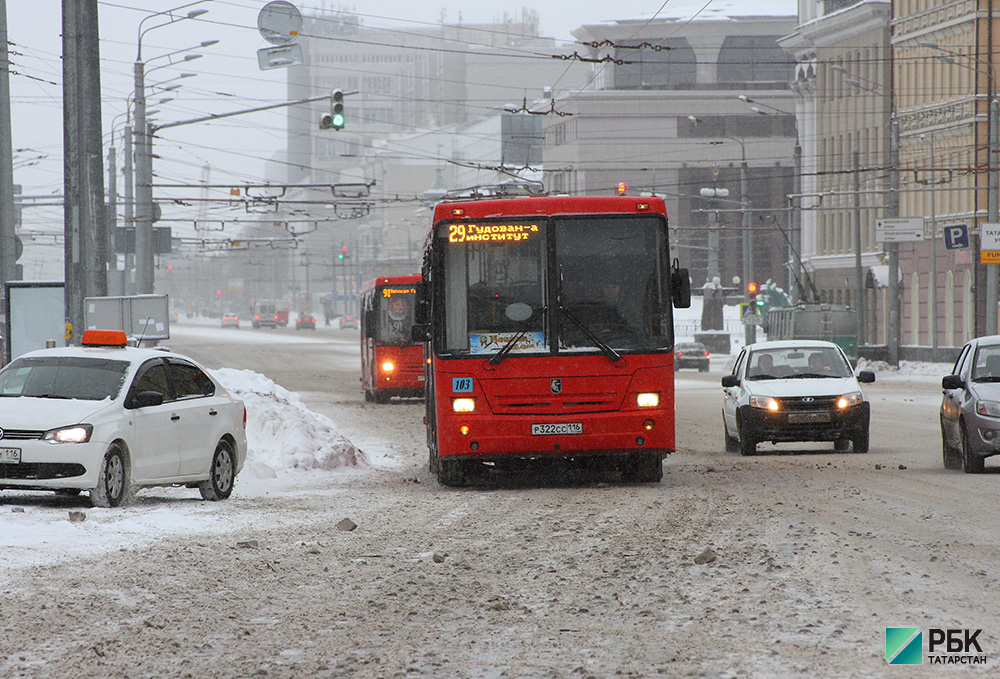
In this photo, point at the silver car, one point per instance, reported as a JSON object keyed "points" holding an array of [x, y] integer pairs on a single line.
{"points": [[970, 409]]}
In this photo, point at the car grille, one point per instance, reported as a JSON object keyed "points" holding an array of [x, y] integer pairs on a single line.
{"points": [[39, 471], [808, 403], [21, 435]]}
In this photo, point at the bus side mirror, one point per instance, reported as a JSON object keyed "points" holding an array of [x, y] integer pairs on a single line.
{"points": [[369, 329], [421, 332], [680, 287], [422, 312]]}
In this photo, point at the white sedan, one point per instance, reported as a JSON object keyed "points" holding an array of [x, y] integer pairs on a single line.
{"points": [[108, 419], [795, 390]]}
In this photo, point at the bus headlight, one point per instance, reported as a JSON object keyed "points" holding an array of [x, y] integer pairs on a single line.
{"points": [[648, 399], [847, 400], [463, 405], [766, 402], [388, 366]]}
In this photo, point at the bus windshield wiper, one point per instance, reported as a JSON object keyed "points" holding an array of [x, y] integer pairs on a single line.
{"points": [[608, 351], [505, 349]]}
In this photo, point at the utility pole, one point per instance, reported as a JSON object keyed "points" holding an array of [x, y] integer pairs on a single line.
{"points": [[8, 214], [85, 226], [992, 210], [892, 210], [795, 286], [859, 277], [750, 330]]}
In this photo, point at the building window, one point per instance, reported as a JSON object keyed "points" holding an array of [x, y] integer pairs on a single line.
{"points": [[754, 59], [645, 69]]}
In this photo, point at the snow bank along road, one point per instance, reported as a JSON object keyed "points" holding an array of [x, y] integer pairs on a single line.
{"points": [[788, 564]]}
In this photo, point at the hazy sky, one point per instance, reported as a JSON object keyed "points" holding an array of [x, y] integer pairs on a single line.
{"points": [[228, 75]]}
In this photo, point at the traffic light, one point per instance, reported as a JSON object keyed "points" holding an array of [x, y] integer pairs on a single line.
{"points": [[622, 188], [335, 118], [752, 289], [343, 253]]}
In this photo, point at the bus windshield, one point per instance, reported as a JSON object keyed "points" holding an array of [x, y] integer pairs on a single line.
{"points": [[561, 284], [395, 313]]}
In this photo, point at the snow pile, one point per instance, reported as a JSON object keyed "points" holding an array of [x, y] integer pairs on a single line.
{"points": [[906, 368], [282, 433]]}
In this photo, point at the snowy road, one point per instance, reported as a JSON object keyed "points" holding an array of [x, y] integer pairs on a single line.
{"points": [[816, 553]]}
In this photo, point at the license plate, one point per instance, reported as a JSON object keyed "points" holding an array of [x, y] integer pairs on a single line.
{"points": [[10, 455], [560, 428], [799, 418]]}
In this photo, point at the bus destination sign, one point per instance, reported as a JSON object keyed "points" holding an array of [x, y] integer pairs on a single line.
{"points": [[491, 233]]}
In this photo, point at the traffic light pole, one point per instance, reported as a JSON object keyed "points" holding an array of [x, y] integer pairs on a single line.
{"points": [[749, 329]]}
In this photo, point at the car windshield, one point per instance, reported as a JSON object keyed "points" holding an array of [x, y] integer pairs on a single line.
{"points": [[64, 377], [987, 365], [797, 363]]}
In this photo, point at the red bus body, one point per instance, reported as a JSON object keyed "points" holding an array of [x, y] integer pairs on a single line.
{"points": [[391, 363], [548, 396]]}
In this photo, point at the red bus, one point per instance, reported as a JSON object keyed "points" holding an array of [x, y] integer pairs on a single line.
{"points": [[549, 331], [391, 363]]}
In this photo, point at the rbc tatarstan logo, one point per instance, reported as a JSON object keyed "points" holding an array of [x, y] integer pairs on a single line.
{"points": [[904, 646]]}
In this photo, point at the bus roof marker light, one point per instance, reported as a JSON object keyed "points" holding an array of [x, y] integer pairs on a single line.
{"points": [[457, 211], [642, 207]]}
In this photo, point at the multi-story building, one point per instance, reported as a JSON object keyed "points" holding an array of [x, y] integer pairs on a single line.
{"points": [[676, 106], [843, 81], [945, 56]]}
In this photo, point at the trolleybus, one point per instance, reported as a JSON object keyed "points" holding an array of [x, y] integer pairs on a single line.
{"points": [[549, 330], [391, 363]]}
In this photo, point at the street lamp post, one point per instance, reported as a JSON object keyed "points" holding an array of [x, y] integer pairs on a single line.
{"points": [[144, 263]]}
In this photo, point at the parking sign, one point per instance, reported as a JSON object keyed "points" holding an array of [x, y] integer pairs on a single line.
{"points": [[956, 236]]}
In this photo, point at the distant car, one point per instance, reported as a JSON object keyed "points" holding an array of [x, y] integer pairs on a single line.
{"points": [[305, 322], [348, 322], [108, 419], [795, 390], [230, 321], [691, 355], [970, 408]]}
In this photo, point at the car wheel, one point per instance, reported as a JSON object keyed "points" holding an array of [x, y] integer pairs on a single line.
{"points": [[222, 474], [951, 457], [748, 444], [860, 442], [842, 445], [451, 472], [971, 463], [732, 444], [645, 467], [112, 482]]}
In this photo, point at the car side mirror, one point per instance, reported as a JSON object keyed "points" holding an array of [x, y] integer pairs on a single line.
{"points": [[146, 398], [952, 382], [866, 377], [730, 381], [420, 332]]}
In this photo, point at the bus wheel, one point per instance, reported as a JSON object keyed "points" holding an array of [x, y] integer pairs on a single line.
{"points": [[368, 396], [451, 472], [381, 397]]}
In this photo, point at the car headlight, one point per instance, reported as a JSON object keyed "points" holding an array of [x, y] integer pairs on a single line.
{"points": [[848, 400], [766, 402], [79, 433], [647, 400], [988, 408], [463, 405]]}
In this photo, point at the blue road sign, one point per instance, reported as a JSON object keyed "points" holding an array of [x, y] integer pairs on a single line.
{"points": [[956, 236]]}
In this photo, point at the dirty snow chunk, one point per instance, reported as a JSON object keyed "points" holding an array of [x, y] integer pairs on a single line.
{"points": [[346, 525], [282, 433], [707, 556]]}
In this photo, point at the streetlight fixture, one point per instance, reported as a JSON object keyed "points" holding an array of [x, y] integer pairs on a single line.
{"points": [[144, 262]]}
